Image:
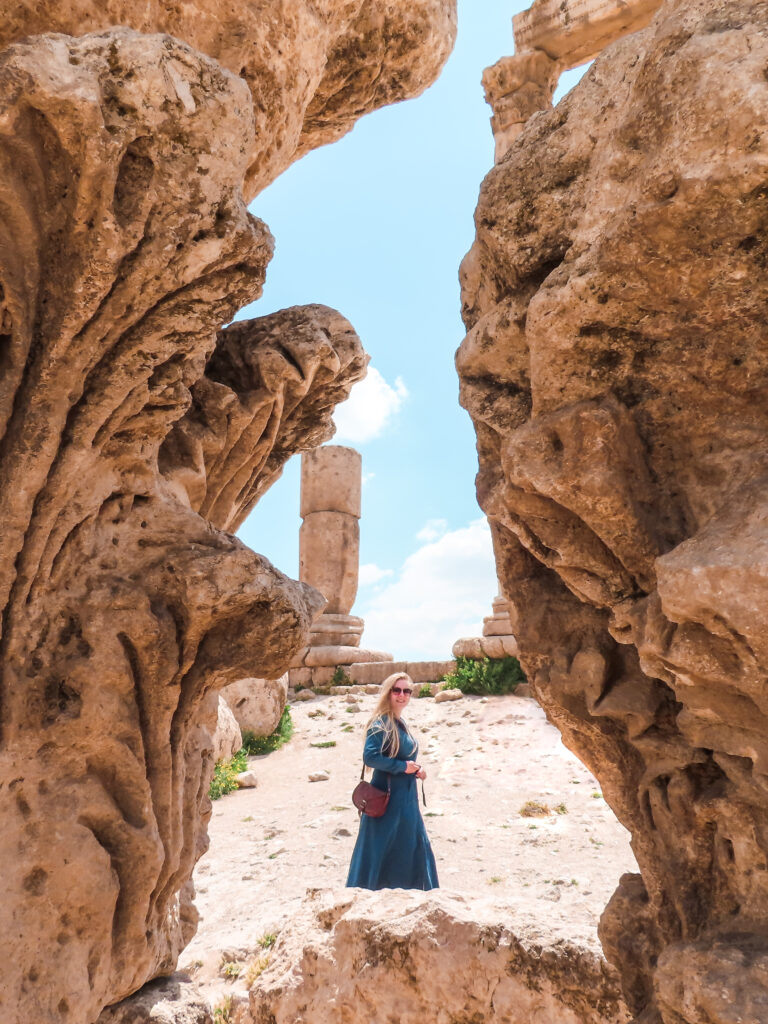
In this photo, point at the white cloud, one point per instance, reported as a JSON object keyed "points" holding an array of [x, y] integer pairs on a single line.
{"points": [[371, 573], [371, 405], [432, 529], [444, 590]]}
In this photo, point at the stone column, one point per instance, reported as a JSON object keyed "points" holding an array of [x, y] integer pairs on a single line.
{"points": [[516, 88], [329, 539], [329, 553]]}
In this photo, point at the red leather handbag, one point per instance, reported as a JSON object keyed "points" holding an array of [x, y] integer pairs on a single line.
{"points": [[370, 799]]}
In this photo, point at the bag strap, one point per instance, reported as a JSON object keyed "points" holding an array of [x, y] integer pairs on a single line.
{"points": [[362, 777]]}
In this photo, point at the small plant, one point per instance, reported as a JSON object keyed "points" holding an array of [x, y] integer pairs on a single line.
{"points": [[340, 677], [248, 817], [323, 744], [339, 807], [595, 842], [253, 744], [223, 1012], [352, 709], [230, 969], [597, 796], [347, 728], [268, 940], [255, 968], [495, 879], [225, 775], [534, 809], [424, 691], [497, 676], [317, 713], [561, 809]]}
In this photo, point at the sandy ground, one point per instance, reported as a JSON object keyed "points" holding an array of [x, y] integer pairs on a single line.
{"points": [[485, 758]]}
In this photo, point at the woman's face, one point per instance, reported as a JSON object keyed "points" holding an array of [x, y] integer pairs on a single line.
{"points": [[399, 695]]}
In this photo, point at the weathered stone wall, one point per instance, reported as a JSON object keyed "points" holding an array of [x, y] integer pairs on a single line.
{"points": [[616, 369], [133, 433]]}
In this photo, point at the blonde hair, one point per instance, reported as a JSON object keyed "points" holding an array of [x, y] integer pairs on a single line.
{"points": [[383, 717]]}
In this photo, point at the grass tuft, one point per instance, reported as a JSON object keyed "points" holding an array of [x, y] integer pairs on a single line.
{"points": [[534, 809]]}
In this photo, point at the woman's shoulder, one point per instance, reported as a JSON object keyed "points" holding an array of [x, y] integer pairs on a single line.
{"points": [[378, 725]]}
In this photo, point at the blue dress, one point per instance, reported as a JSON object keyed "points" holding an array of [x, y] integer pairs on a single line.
{"points": [[393, 851]]}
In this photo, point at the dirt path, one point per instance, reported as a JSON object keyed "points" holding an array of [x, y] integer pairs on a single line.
{"points": [[485, 758]]}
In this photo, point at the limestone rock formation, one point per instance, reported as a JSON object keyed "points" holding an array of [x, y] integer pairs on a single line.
{"points": [[257, 704], [173, 1000], [404, 957], [134, 431], [615, 369], [313, 66]]}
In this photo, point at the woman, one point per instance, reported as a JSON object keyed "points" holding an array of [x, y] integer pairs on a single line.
{"points": [[393, 851]]}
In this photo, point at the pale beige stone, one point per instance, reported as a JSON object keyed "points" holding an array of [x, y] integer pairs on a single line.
{"points": [[429, 671], [516, 88], [247, 780], [329, 554], [321, 776], [257, 704], [336, 630], [575, 31], [227, 739], [331, 480], [452, 694], [302, 695], [414, 957], [343, 656]]}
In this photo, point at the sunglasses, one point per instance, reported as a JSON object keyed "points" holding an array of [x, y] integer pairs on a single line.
{"points": [[399, 690]]}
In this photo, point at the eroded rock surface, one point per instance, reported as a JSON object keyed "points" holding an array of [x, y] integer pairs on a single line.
{"points": [[313, 68], [401, 957], [615, 369], [124, 245], [258, 704]]}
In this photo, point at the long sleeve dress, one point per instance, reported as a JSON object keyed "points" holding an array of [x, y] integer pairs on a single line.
{"points": [[393, 851]]}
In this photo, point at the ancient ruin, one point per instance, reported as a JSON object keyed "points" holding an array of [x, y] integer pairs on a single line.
{"points": [[551, 37], [137, 433], [329, 558], [615, 369]]}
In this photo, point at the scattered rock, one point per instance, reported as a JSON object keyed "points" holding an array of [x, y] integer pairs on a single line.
{"points": [[303, 695], [174, 1000], [443, 695], [247, 780], [321, 776]]}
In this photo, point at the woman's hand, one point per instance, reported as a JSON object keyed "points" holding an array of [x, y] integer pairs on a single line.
{"points": [[411, 768], [421, 773]]}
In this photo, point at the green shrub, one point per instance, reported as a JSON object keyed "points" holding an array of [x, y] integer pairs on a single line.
{"points": [[225, 775], [497, 676], [253, 744], [340, 677], [424, 691]]}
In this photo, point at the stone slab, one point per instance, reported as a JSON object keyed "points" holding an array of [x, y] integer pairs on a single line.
{"points": [[333, 656]]}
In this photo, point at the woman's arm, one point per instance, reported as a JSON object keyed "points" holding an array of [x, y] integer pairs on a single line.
{"points": [[374, 758]]}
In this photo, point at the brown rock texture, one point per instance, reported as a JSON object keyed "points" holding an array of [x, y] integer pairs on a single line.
{"points": [[616, 369], [313, 66], [132, 433], [401, 957]]}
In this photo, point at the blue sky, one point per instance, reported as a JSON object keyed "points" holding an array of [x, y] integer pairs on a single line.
{"points": [[376, 226]]}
